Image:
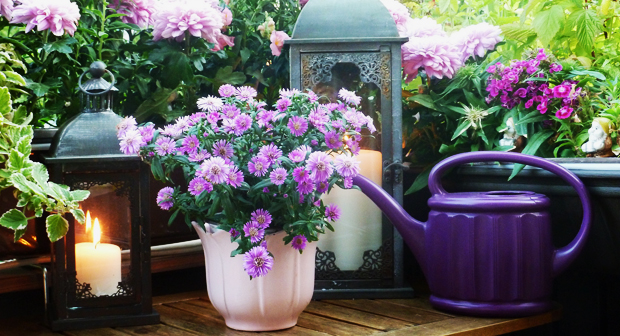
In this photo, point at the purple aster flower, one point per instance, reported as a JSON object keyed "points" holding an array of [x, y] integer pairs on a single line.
{"points": [[171, 131], [138, 12], [128, 123], [262, 217], [230, 126], [332, 140], [198, 156], [297, 125], [257, 262], [215, 170], [299, 242], [283, 103], [297, 155], [254, 231], [348, 182], [564, 112], [131, 140], [265, 190], [271, 152], [264, 117], [321, 187], [226, 90], [305, 186], [332, 212], [190, 144], [243, 122], [278, 176], [561, 91], [318, 117], [288, 93], [319, 166], [300, 174], [214, 117], [210, 103], [147, 132], [234, 233], [258, 166], [230, 111], [314, 142], [349, 97], [223, 149], [165, 146], [196, 117], [346, 165], [245, 93], [312, 97], [197, 185], [235, 177], [164, 198], [58, 16]]}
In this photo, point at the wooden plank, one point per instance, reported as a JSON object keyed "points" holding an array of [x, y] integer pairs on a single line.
{"points": [[177, 262], [179, 297], [332, 327], [383, 308], [95, 332], [478, 326], [417, 303], [22, 326], [155, 330], [20, 279], [355, 316], [195, 323], [204, 307]]}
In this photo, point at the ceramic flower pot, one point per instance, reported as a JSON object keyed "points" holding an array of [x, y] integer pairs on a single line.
{"points": [[271, 302]]}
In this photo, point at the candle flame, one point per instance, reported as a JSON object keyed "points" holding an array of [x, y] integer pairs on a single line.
{"points": [[89, 224], [96, 232]]}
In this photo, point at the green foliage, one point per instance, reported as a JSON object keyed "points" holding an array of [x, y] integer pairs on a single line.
{"points": [[30, 179]]}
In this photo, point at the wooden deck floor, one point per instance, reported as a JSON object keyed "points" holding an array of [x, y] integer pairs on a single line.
{"points": [[192, 314]]}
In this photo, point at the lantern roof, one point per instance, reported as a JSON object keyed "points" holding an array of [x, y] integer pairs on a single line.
{"points": [[331, 21]]}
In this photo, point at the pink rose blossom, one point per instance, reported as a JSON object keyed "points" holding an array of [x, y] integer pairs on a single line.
{"points": [[277, 42], [59, 16]]}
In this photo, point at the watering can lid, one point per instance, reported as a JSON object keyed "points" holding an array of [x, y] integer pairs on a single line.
{"points": [[490, 201]]}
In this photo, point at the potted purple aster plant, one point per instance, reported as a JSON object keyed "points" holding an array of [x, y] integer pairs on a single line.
{"points": [[253, 181]]}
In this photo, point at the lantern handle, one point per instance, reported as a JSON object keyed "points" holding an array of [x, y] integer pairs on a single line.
{"points": [[98, 93]]}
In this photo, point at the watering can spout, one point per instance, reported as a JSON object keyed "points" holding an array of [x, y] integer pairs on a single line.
{"points": [[410, 229]]}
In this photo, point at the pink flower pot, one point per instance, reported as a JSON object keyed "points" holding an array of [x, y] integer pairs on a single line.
{"points": [[271, 302]]}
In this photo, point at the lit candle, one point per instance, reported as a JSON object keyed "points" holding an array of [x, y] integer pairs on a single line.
{"points": [[359, 227], [98, 264]]}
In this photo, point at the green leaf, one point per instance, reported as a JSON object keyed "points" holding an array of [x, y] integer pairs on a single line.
{"points": [[548, 23], [424, 100], [156, 104], [5, 101], [516, 31], [594, 74], [79, 195], [19, 181], [245, 54], [463, 127], [157, 169], [531, 117], [177, 70], [14, 77], [14, 220], [38, 89], [23, 146], [588, 27], [173, 216], [227, 76], [21, 116], [78, 214], [56, 226], [40, 174], [18, 234], [421, 181], [64, 194], [444, 5], [531, 148]]}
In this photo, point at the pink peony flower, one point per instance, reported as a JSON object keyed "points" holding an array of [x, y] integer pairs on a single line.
{"points": [[277, 42], [59, 16], [438, 57], [138, 12], [303, 2], [174, 18], [6, 9], [476, 40], [423, 27], [399, 13]]}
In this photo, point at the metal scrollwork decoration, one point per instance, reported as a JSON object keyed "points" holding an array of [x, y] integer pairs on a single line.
{"points": [[376, 264], [374, 68]]}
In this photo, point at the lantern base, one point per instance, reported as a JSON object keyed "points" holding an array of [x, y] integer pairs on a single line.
{"points": [[363, 293], [104, 321]]}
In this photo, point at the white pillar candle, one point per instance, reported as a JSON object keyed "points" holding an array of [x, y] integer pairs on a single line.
{"points": [[359, 226], [98, 265]]}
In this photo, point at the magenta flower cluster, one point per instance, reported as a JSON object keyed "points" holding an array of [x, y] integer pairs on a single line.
{"points": [[244, 161], [527, 82]]}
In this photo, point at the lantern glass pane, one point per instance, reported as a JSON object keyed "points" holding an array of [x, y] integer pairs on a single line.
{"points": [[359, 228], [102, 255]]}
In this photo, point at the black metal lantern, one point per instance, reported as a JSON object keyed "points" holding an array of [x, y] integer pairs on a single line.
{"points": [[100, 278], [354, 44]]}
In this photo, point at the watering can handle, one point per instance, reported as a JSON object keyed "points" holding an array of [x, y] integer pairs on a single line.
{"points": [[564, 256]]}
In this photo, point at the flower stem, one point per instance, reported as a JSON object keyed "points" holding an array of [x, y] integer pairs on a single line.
{"points": [[104, 4]]}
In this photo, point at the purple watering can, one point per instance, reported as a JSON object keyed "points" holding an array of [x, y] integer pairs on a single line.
{"points": [[486, 253]]}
